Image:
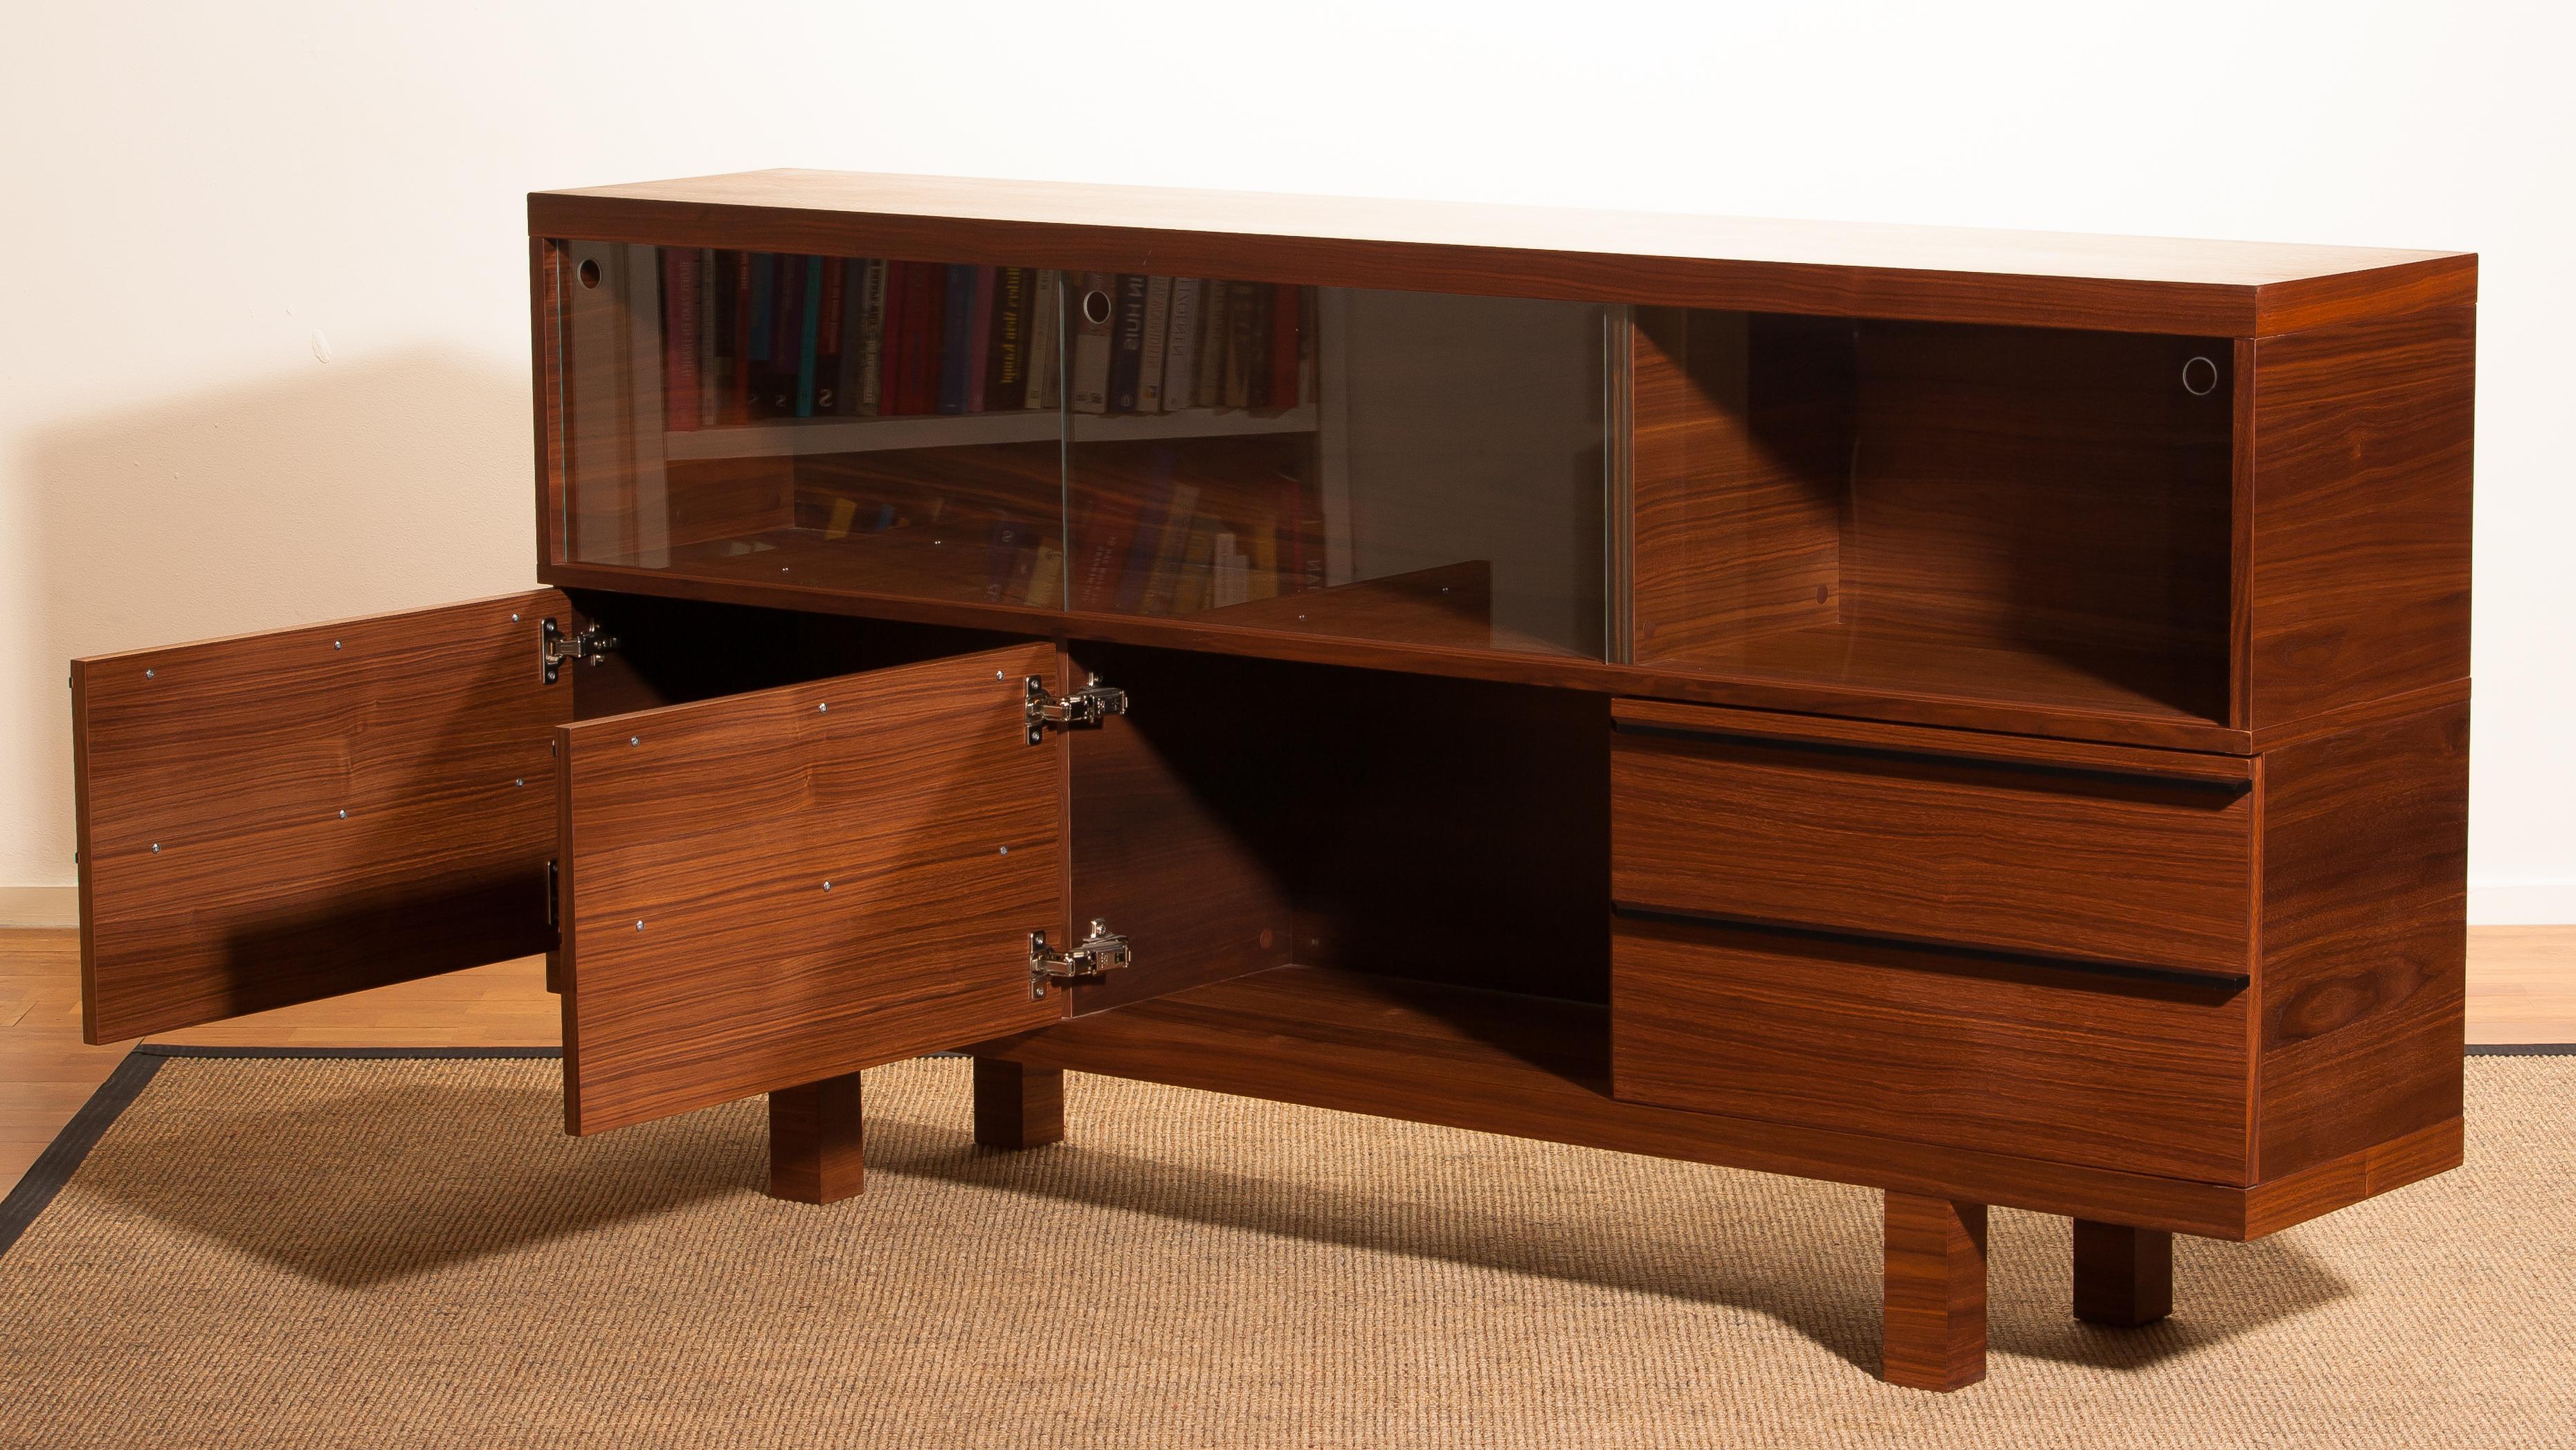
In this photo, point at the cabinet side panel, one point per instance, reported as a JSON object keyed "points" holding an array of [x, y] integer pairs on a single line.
{"points": [[2359, 580], [2365, 860], [282, 817]]}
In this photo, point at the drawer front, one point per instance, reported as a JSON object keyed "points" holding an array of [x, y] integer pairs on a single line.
{"points": [[2101, 863], [2128, 1071]]}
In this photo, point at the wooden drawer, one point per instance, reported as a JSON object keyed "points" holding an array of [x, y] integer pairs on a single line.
{"points": [[2099, 853], [2142, 1072]]}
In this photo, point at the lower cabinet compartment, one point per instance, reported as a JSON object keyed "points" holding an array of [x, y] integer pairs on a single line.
{"points": [[2134, 1071]]}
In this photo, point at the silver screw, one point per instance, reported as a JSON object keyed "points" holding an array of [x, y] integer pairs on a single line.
{"points": [[634, 739], [1006, 850], [344, 815], [782, 569], [335, 644], [639, 925], [147, 674], [520, 781], [824, 708], [997, 674], [156, 848], [514, 619], [1301, 619], [827, 885]]}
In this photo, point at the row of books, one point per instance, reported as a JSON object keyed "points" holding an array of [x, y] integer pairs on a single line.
{"points": [[1151, 552], [753, 336]]}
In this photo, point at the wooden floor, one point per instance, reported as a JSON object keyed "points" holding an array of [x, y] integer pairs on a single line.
{"points": [[2522, 988]]}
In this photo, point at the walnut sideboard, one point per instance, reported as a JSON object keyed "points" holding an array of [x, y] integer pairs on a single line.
{"points": [[1981, 716]]}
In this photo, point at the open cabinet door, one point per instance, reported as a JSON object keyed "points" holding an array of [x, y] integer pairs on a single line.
{"points": [[771, 889], [280, 817]]}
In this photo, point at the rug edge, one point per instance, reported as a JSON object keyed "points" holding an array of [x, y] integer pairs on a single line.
{"points": [[53, 1168]]}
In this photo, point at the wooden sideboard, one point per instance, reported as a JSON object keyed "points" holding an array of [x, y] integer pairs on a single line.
{"points": [[1980, 716]]}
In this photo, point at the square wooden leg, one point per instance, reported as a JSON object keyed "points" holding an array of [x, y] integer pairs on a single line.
{"points": [[2123, 1275], [1935, 1309], [814, 1141], [1017, 1107]]}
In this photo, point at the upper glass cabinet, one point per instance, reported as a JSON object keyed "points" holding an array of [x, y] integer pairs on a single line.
{"points": [[1403, 467]]}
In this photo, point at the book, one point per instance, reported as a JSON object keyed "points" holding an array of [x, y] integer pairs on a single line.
{"points": [[1261, 578], [1006, 379], [1006, 559], [1089, 375], [1242, 309], [1292, 534], [679, 339], [786, 338], [870, 338], [1149, 367], [1193, 581], [1309, 340], [1045, 587], [1046, 336], [1207, 382], [1181, 348], [809, 333], [979, 339], [1287, 308], [956, 339], [1107, 534], [1230, 579], [1127, 340], [928, 337], [829, 394], [1138, 571], [710, 397], [734, 358], [1171, 549]]}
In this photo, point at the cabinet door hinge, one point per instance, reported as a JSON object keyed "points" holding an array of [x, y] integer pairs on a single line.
{"points": [[554, 646], [1087, 706], [1102, 951]]}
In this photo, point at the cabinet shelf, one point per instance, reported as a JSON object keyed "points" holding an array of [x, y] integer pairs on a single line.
{"points": [[797, 437]]}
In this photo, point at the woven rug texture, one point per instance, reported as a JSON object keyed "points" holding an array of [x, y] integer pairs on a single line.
{"points": [[410, 1253]]}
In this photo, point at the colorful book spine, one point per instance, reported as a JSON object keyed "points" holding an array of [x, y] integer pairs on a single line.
{"points": [[809, 334], [871, 338], [1171, 549], [738, 333], [1089, 375], [1207, 383], [1149, 368], [786, 337], [831, 393], [763, 307], [979, 334], [956, 339], [921, 342], [1127, 341], [679, 339], [1006, 377], [1107, 536], [1045, 587], [1157, 511], [1287, 308], [709, 396], [1242, 311], [1181, 351], [1046, 336]]}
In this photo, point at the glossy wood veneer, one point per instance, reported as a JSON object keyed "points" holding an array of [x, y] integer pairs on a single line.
{"points": [[703, 957], [1934, 1315], [282, 817], [1933, 273], [1537, 1067]]}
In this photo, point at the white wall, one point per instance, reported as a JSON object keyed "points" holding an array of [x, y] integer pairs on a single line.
{"points": [[263, 335]]}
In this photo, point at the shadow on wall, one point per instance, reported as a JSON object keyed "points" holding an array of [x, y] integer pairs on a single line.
{"points": [[337, 490]]}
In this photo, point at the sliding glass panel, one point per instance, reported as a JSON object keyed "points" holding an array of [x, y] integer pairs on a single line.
{"points": [[847, 423], [1408, 467]]}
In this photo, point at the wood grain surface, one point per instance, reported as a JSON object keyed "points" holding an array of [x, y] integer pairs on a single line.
{"points": [[2123, 1276], [2358, 572], [1533, 1067], [2144, 870], [1017, 1107], [814, 1141], [703, 959], [2108, 1069], [280, 817], [2364, 930], [1934, 1317], [2126, 283]]}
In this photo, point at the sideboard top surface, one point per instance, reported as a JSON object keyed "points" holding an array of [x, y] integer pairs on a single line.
{"points": [[1855, 268]]}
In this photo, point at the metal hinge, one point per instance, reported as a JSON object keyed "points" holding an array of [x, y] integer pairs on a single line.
{"points": [[555, 646], [1102, 951], [1087, 706]]}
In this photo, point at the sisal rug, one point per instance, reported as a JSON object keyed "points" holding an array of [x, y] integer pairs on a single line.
{"points": [[401, 1252]]}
